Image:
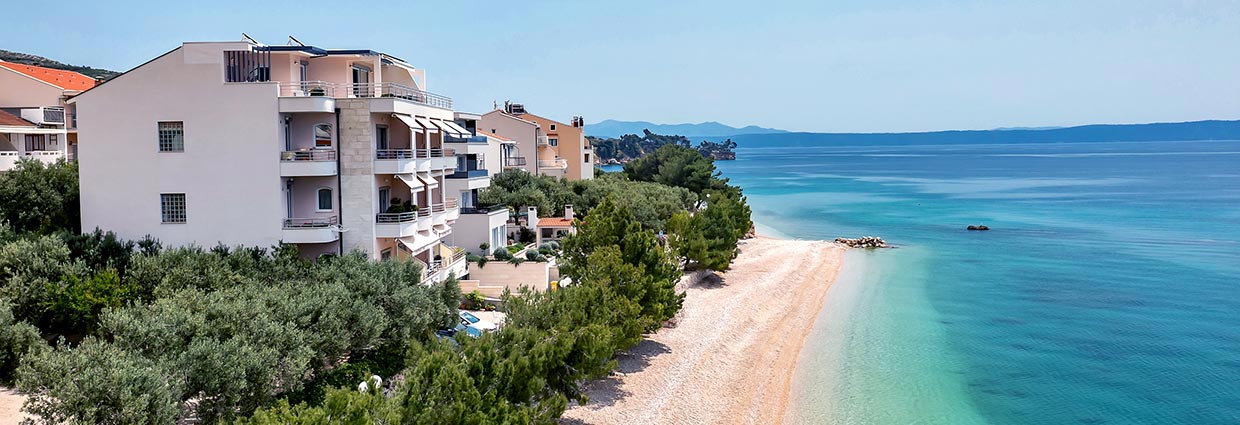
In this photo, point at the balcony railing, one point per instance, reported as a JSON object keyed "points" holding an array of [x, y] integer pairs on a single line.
{"points": [[399, 91], [543, 140], [311, 155], [307, 88], [413, 153], [514, 161], [552, 163], [397, 217], [451, 203], [310, 223], [439, 207], [482, 210], [329, 89]]}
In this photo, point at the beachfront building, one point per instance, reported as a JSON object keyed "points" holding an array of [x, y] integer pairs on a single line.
{"points": [[477, 157], [243, 143], [34, 121], [545, 146]]}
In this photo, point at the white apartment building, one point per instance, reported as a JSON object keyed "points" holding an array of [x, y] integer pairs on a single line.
{"points": [[243, 143], [34, 123]]}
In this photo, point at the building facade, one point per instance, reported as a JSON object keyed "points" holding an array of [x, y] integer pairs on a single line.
{"points": [[544, 146], [242, 143], [34, 120]]}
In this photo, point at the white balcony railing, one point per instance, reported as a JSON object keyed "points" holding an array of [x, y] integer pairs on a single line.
{"points": [[307, 89], [552, 163], [310, 223], [394, 90], [543, 140], [310, 155]]}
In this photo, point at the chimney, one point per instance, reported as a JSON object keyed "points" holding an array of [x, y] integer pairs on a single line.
{"points": [[531, 216], [568, 212], [579, 122]]}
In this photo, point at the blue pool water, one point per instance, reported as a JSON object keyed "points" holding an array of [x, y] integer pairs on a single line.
{"points": [[1108, 291]]}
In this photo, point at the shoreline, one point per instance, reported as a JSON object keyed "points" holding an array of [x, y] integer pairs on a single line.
{"points": [[732, 352]]}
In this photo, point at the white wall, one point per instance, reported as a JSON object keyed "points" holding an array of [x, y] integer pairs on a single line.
{"points": [[229, 170], [522, 132]]}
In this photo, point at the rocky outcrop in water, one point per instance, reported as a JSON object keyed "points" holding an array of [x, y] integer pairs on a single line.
{"points": [[863, 242], [979, 227]]}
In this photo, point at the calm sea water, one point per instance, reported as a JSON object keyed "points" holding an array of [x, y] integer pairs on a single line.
{"points": [[1108, 291]]}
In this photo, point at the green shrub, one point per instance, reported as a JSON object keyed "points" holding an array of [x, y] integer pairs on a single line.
{"points": [[516, 261], [502, 254], [17, 340]]}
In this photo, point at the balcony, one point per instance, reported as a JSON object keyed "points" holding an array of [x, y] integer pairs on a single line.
{"points": [[311, 230], [483, 210], [47, 115], [308, 163], [514, 161], [542, 140], [450, 262], [439, 214], [307, 96], [468, 174], [453, 209], [399, 225], [553, 163], [317, 94], [407, 161]]}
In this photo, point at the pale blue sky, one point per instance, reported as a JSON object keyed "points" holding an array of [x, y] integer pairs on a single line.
{"points": [[831, 65]]}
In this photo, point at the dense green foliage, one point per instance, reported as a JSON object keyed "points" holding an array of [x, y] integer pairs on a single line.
{"points": [[224, 331], [527, 372], [652, 204], [708, 238], [17, 340], [679, 166], [37, 197], [631, 146]]}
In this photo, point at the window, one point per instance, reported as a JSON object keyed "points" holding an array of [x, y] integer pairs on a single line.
{"points": [[553, 141], [53, 140], [172, 136], [552, 127], [302, 70], [35, 142], [323, 136], [386, 254], [325, 199], [381, 137], [172, 207], [385, 199]]}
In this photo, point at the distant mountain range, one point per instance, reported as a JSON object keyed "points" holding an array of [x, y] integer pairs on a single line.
{"points": [[29, 59], [614, 128], [1184, 131]]}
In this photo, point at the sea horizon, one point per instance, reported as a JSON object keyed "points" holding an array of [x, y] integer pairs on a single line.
{"points": [[1097, 287]]}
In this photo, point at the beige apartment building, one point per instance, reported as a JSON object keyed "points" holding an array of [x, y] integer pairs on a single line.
{"points": [[34, 121], [544, 146], [244, 143]]}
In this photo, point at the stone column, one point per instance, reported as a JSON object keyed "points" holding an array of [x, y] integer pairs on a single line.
{"points": [[357, 176]]}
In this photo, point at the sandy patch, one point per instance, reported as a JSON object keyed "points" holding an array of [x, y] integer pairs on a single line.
{"points": [[731, 354]]}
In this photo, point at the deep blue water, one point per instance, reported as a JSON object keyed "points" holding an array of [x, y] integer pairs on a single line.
{"points": [[1108, 291]]}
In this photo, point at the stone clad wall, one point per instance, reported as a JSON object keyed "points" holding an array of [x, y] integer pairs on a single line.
{"points": [[357, 178]]}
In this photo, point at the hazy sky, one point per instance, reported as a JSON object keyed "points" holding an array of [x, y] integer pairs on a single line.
{"points": [[830, 65]]}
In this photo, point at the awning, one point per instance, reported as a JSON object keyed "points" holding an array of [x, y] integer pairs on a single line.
{"points": [[414, 126], [426, 123], [429, 182], [414, 183], [447, 129], [416, 243], [458, 128]]}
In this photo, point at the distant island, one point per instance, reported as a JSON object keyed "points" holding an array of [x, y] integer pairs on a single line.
{"points": [[29, 59], [631, 146], [1183, 131], [614, 128]]}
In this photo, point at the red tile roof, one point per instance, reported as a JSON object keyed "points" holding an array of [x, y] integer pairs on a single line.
{"points": [[555, 222], [67, 80], [10, 120]]}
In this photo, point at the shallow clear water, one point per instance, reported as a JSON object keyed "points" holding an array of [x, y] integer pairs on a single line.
{"points": [[1108, 291]]}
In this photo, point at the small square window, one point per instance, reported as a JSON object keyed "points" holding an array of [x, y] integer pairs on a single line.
{"points": [[172, 136], [172, 207], [552, 127], [553, 141]]}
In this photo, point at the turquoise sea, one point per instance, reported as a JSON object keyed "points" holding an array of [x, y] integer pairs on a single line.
{"points": [[1108, 291]]}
